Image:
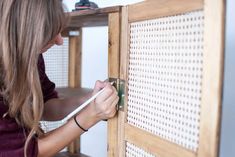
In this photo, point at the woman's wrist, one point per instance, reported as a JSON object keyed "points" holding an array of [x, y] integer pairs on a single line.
{"points": [[87, 118], [82, 128]]}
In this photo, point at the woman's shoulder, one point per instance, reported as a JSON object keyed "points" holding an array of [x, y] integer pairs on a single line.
{"points": [[12, 139]]}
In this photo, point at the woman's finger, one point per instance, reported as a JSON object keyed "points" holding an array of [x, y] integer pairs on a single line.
{"points": [[108, 91]]}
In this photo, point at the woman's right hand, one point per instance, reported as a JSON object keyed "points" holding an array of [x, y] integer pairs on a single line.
{"points": [[104, 106]]}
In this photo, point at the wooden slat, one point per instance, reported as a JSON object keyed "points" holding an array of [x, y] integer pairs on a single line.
{"points": [[75, 56], [112, 137], [123, 75], [124, 57], [153, 144], [160, 8], [114, 45], [96, 11], [88, 21], [212, 78], [120, 133], [91, 18], [113, 72], [75, 75]]}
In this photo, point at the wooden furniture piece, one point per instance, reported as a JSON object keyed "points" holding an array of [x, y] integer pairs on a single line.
{"points": [[110, 17], [171, 59]]}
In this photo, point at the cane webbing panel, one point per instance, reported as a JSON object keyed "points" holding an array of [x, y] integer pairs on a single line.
{"points": [[133, 151], [56, 61], [165, 77]]}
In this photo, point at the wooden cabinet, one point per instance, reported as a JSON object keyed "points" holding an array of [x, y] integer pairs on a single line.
{"points": [[171, 60], [167, 59]]}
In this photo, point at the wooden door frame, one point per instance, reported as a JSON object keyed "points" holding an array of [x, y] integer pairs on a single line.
{"points": [[214, 12]]}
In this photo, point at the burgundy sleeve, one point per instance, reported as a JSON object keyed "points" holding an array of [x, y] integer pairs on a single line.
{"points": [[13, 137], [48, 87]]}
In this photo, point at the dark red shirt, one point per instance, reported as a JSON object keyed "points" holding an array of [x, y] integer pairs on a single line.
{"points": [[12, 136]]}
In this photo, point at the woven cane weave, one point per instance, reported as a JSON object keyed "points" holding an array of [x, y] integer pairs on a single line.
{"points": [[56, 61], [165, 77], [133, 151]]}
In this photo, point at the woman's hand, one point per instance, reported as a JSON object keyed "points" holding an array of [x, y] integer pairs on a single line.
{"points": [[104, 106]]}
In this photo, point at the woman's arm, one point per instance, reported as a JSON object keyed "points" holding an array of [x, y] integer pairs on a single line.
{"points": [[103, 107], [57, 108]]}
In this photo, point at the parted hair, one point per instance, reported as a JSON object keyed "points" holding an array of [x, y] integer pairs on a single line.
{"points": [[26, 26]]}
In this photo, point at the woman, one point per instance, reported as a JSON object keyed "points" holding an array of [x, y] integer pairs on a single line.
{"points": [[28, 28]]}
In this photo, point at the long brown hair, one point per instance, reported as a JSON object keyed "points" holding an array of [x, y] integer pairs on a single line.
{"points": [[25, 27]]}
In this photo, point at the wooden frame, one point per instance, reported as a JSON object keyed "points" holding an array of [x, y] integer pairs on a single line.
{"points": [[95, 17], [75, 66], [113, 72], [212, 80]]}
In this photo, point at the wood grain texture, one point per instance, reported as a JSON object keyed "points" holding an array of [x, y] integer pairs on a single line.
{"points": [[124, 55], [75, 75], [112, 137], [161, 8], [213, 63], [75, 55], [91, 18], [124, 50], [96, 11], [153, 144], [113, 72], [114, 45]]}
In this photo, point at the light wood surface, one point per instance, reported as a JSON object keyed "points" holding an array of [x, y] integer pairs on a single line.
{"points": [[212, 78], [153, 144], [75, 59], [123, 75], [91, 18], [75, 63], [160, 8], [113, 72], [113, 45]]}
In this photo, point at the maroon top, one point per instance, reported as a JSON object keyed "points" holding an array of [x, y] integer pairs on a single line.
{"points": [[12, 136]]}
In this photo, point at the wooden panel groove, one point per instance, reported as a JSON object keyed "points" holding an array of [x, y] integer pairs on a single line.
{"points": [[75, 56]]}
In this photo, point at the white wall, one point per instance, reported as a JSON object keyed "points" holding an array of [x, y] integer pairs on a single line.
{"points": [[95, 67], [227, 148]]}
